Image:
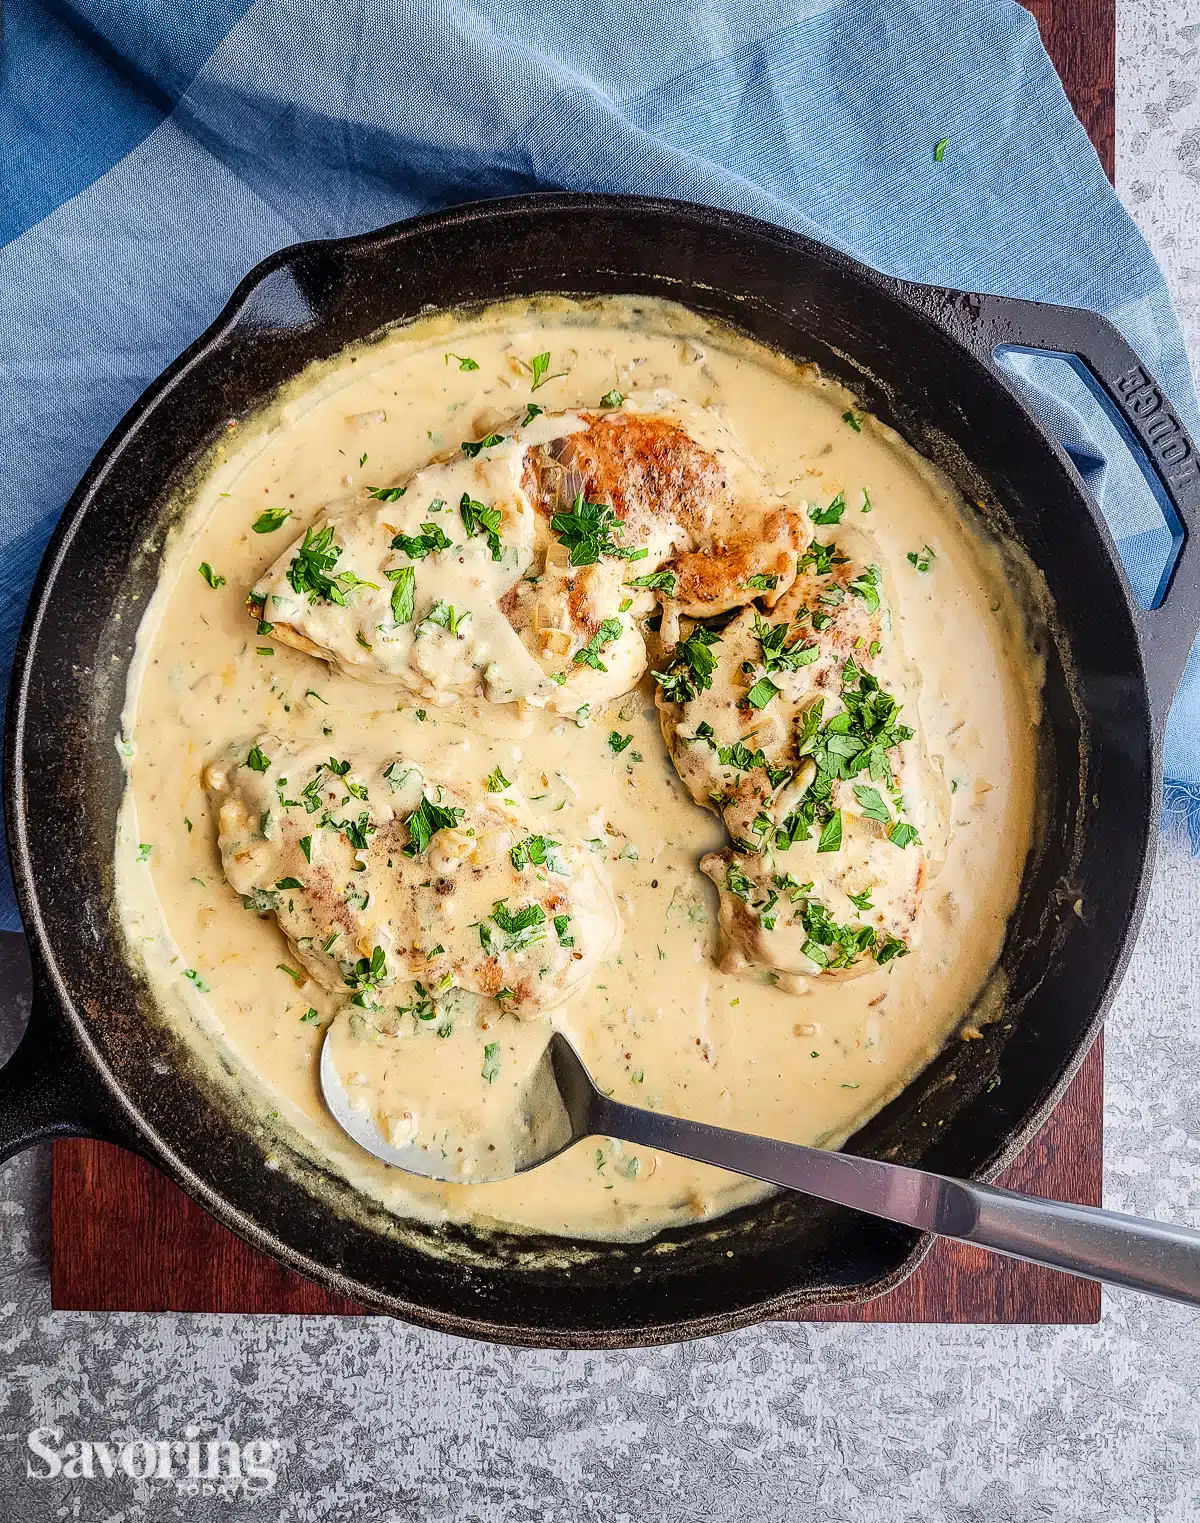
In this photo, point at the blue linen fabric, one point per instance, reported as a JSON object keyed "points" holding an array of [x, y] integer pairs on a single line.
{"points": [[153, 153]]}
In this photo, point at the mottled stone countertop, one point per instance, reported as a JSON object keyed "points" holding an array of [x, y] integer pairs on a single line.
{"points": [[381, 1421]]}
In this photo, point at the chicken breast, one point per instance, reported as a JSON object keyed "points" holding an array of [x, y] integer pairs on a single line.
{"points": [[520, 568], [375, 872], [801, 729]]}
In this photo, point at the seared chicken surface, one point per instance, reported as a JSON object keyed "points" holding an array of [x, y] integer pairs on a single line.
{"points": [[799, 727], [375, 872], [520, 568]]}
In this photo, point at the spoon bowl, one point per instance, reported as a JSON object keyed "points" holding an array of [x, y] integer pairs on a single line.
{"points": [[565, 1106]]}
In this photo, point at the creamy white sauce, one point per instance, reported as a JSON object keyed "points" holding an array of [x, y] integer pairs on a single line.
{"points": [[658, 1023]]}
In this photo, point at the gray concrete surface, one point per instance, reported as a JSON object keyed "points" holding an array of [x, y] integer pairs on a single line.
{"points": [[377, 1421]]}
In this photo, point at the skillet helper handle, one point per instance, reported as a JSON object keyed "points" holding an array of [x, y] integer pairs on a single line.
{"points": [[47, 1090], [1166, 453], [1154, 1257]]}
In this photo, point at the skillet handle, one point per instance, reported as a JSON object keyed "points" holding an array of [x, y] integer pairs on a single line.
{"points": [[46, 1088], [1165, 452]]}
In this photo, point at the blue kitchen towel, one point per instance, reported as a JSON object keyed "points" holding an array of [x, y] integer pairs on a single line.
{"points": [[151, 153]]}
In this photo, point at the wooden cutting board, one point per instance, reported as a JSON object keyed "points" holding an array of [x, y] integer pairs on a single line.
{"points": [[124, 1238]]}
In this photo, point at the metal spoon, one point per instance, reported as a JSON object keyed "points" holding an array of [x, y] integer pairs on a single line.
{"points": [[1150, 1256]]}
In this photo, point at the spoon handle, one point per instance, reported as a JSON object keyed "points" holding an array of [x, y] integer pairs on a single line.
{"points": [[1155, 1257]]}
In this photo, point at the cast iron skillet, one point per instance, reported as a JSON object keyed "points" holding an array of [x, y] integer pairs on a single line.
{"points": [[95, 1061]]}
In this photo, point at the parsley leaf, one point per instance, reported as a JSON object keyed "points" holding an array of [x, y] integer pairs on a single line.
{"points": [[611, 398], [849, 417], [822, 558], [271, 519], [762, 581], [311, 565], [532, 411], [922, 559], [761, 693], [776, 656], [587, 531], [540, 364], [589, 654], [831, 835], [403, 593], [497, 782], [692, 667], [471, 448], [447, 616], [657, 579], [387, 494], [866, 586], [902, 834], [480, 520], [871, 803], [491, 1062], [861, 902], [532, 851], [424, 823], [617, 742], [417, 546], [210, 576], [465, 362], [833, 513], [257, 760]]}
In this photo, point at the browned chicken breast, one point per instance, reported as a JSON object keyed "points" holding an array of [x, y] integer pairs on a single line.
{"points": [[520, 567], [376, 873], [800, 728]]}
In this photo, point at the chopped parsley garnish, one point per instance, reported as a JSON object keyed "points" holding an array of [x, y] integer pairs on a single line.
{"points": [[589, 654], [533, 851], [522, 929], [778, 657], [257, 759], [286, 883], [447, 616], [831, 834], [417, 546], [362, 640], [587, 532], [562, 924], [532, 411], [403, 593], [902, 834], [861, 902], [497, 782], [617, 742], [692, 667], [306, 847], [480, 520], [939, 149], [870, 801], [890, 946], [833, 513], [472, 447], [762, 581], [293, 973], [663, 580], [311, 565], [310, 1015], [367, 972], [611, 398], [491, 1062], [271, 519], [465, 362], [761, 693], [849, 417], [540, 364], [866, 586], [866, 507], [425, 822], [194, 978], [922, 559], [822, 558], [210, 576], [144, 847], [422, 1007], [855, 740]]}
